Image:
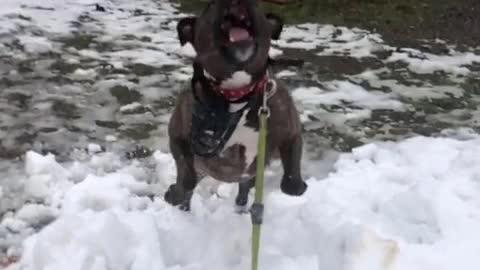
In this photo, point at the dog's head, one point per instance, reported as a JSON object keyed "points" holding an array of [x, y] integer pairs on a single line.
{"points": [[231, 37]]}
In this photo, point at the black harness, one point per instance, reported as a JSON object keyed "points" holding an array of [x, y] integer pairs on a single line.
{"points": [[211, 129], [213, 124]]}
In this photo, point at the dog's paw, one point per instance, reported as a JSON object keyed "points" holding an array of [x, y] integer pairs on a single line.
{"points": [[173, 196], [293, 187], [185, 206], [241, 200], [176, 197]]}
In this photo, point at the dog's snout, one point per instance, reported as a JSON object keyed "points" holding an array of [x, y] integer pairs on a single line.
{"points": [[238, 8]]}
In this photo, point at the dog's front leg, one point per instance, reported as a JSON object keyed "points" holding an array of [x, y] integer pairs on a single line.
{"points": [[243, 190], [181, 192], [291, 156]]}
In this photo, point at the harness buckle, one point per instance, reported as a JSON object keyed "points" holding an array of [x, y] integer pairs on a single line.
{"points": [[256, 213]]}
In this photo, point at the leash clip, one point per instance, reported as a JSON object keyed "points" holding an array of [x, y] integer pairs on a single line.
{"points": [[256, 213], [269, 90]]}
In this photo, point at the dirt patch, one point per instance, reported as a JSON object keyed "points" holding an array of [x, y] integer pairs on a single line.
{"points": [[65, 110], [407, 23], [124, 95]]}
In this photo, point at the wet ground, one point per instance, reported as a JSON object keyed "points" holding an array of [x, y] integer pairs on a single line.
{"points": [[57, 100], [403, 22]]}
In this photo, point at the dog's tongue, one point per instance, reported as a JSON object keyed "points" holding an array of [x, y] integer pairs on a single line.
{"points": [[238, 34]]}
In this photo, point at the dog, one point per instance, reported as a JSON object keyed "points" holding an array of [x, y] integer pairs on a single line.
{"points": [[214, 126]]}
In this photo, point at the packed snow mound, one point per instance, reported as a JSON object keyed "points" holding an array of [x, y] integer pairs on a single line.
{"points": [[408, 205]]}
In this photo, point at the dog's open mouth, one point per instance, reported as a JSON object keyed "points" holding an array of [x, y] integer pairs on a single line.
{"points": [[237, 30], [236, 23]]}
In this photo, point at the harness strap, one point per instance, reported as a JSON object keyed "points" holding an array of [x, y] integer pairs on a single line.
{"points": [[213, 127], [211, 130]]}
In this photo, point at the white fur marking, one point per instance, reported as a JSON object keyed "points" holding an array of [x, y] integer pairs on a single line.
{"points": [[244, 55], [234, 107], [238, 79], [208, 75], [245, 136]]}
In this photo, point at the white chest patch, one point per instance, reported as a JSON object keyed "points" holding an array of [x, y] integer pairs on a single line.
{"points": [[238, 79], [235, 107], [245, 54], [245, 136]]}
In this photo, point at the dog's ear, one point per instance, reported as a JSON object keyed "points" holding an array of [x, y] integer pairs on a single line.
{"points": [[276, 22], [186, 30]]}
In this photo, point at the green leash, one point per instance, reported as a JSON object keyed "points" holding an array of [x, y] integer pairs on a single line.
{"points": [[257, 208]]}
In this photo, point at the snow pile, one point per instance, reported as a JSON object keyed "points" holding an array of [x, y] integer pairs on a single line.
{"points": [[45, 176], [408, 205]]}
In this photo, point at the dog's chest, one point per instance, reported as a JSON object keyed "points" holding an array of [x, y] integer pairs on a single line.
{"points": [[245, 136]]}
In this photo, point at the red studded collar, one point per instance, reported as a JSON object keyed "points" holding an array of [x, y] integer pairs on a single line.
{"points": [[234, 94]]}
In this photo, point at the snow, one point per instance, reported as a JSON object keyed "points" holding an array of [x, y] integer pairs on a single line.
{"points": [[37, 164], [384, 206], [358, 43], [97, 193], [53, 18], [274, 52], [33, 213], [83, 74], [94, 148], [338, 91], [35, 44], [330, 40], [131, 107], [360, 102], [187, 50], [15, 225], [424, 63], [285, 73], [415, 92], [110, 138]]}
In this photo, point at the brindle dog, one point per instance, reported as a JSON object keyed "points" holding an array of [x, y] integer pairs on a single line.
{"points": [[213, 129]]}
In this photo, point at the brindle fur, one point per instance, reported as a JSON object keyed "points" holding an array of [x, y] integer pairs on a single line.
{"points": [[284, 138]]}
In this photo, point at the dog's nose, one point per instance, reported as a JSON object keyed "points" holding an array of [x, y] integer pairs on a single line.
{"points": [[238, 9]]}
